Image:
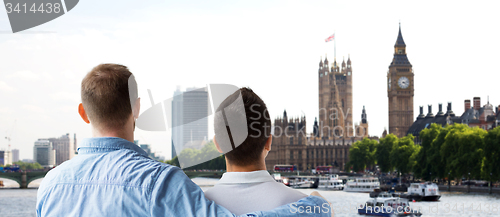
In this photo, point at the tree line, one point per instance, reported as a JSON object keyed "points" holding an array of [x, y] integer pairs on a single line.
{"points": [[197, 155], [25, 166], [454, 151]]}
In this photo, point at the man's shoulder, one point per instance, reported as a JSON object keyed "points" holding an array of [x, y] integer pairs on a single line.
{"points": [[123, 167]]}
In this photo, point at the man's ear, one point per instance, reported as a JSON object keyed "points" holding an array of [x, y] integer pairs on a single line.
{"points": [[269, 142], [217, 146], [136, 108], [83, 114]]}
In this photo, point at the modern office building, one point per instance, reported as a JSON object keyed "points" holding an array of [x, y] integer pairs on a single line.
{"points": [[177, 115], [64, 146], [5, 157], [189, 118], [44, 153], [2, 158], [15, 155]]}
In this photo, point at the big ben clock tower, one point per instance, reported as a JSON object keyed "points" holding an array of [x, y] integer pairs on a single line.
{"points": [[400, 90]]}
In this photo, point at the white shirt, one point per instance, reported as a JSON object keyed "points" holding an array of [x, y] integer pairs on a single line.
{"points": [[244, 192]]}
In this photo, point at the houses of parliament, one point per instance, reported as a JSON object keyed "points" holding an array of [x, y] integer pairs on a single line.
{"points": [[334, 131]]}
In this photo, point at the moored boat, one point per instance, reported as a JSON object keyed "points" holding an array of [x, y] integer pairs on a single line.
{"points": [[362, 184], [331, 182], [303, 181], [427, 191], [387, 205]]}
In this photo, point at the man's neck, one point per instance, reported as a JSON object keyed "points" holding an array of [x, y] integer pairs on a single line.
{"points": [[247, 168], [122, 133]]}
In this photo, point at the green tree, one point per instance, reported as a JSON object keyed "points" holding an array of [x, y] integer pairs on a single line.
{"points": [[362, 154], [423, 166], [174, 161], [463, 148], [489, 165], [382, 152], [401, 154], [434, 157], [208, 157]]}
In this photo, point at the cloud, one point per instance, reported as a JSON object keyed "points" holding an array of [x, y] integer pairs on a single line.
{"points": [[25, 74], [65, 96], [5, 87], [33, 108], [6, 111]]}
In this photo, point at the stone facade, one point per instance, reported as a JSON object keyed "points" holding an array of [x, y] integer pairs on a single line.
{"points": [[335, 99], [292, 146]]}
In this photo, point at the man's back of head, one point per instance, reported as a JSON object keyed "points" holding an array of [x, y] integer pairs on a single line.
{"points": [[258, 124], [251, 187], [107, 101]]}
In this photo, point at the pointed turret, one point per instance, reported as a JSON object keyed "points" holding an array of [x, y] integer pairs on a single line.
{"points": [[335, 66], [320, 62], [400, 42], [349, 59], [400, 57], [363, 116]]}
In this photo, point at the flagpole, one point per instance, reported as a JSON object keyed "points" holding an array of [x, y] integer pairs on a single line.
{"points": [[334, 46]]}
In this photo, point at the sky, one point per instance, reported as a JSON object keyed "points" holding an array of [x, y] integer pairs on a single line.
{"points": [[273, 47]]}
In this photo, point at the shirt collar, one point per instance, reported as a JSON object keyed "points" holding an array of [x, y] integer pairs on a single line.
{"points": [[246, 177], [107, 144]]}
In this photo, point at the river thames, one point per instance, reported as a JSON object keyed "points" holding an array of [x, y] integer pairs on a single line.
{"points": [[21, 202]]}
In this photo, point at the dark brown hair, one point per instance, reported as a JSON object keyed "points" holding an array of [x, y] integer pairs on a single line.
{"points": [[105, 95], [258, 125]]}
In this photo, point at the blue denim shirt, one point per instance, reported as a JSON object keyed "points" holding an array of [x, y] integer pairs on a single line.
{"points": [[114, 177]]}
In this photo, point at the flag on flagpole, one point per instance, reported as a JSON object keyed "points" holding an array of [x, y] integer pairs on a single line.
{"points": [[330, 38]]}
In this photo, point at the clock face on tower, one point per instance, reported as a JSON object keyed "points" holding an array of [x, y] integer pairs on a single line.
{"points": [[403, 82]]}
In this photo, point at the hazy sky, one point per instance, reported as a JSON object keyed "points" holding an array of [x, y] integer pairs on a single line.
{"points": [[274, 47]]}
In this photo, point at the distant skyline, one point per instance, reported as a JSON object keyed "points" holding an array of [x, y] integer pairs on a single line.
{"points": [[273, 47]]}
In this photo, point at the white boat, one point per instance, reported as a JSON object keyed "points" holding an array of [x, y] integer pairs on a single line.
{"points": [[362, 184], [427, 191], [331, 181], [302, 181], [386, 205]]}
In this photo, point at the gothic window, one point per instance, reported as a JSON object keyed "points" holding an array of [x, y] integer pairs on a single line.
{"points": [[291, 154], [300, 154], [291, 140]]}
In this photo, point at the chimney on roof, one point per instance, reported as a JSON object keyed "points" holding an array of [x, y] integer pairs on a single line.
{"points": [[440, 113], [449, 110], [429, 115], [477, 103], [467, 104], [421, 115]]}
